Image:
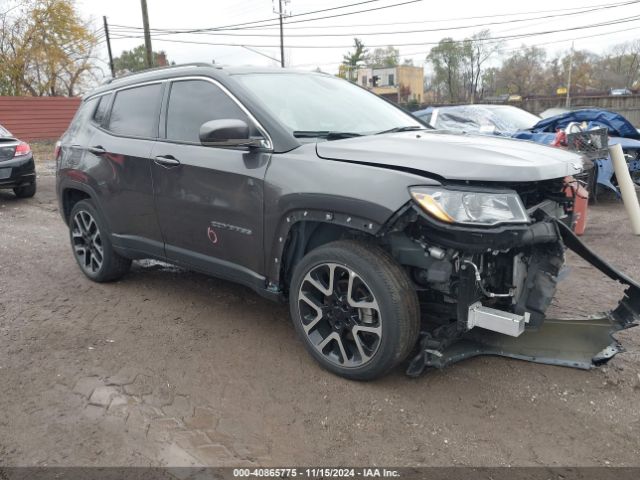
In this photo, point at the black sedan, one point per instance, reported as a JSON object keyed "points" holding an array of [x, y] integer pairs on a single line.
{"points": [[17, 168]]}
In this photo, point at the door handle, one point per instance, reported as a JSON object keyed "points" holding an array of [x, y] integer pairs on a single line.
{"points": [[97, 150], [167, 161]]}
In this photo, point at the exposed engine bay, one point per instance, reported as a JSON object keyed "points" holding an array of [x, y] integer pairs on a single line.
{"points": [[486, 290]]}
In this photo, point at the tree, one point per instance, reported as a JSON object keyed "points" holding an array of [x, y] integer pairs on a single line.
{"points": [[477, 50], [352, 61], [134, 60], [524, 71], [619, 67], [45, 49], [384, 57], [447, 59]]}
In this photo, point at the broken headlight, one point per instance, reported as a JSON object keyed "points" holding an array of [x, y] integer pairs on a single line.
{"points": [[470, 207]]}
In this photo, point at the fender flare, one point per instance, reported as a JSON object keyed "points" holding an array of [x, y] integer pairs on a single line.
{"points": [[67, 184], [294, 217]]}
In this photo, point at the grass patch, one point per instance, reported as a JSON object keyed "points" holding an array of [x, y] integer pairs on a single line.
{"points": [[43, 150]]}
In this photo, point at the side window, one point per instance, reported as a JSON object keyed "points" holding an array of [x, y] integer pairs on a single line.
{"points": [[425, 118], [101, 111], [194, 102], [135, 111], [82, 115]]}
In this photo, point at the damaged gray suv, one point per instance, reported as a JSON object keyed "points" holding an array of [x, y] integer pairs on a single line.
{"points": [[389, 240]]}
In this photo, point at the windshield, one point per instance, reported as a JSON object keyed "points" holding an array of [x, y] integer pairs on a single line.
{"points": [[494, 119], [4, 132], [318, 103]]}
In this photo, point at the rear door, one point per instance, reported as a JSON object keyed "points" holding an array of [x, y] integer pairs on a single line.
{"points": [[119, 160], [209, 200]]}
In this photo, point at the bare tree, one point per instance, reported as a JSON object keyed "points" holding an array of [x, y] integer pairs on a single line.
{"points": [[478, 50]]}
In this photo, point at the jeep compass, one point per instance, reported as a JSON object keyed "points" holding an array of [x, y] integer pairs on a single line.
{"points": [[389, 240]]}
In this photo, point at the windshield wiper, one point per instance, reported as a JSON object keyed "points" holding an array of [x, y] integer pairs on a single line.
{"points": [[402, 129], [327, 134]]}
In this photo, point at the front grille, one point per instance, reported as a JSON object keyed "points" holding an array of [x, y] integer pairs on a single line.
{"points": [[534, 193]]}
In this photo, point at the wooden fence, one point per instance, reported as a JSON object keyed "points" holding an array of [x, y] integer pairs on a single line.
{"points": [[37, 118]]}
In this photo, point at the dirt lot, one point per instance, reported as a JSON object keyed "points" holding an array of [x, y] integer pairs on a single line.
{"points": [[169, 367]]}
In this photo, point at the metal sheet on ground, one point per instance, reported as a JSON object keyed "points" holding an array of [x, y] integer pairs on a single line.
{"points": [[569, 343]]}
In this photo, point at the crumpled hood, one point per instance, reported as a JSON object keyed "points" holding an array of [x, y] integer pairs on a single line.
{"points": [[457, 156]]}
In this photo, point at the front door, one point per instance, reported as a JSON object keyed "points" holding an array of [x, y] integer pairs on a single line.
{"points": [[209, 200]]}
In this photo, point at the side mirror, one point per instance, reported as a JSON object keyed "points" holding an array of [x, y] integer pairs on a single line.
{"points": [[227, 132]]}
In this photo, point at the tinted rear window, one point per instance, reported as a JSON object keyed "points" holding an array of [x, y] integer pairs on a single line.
{"points": [[83, 115], [194, 102], [135, 111], [101, 112]]}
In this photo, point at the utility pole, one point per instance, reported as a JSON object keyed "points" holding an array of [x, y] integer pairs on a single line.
{"points": [[281, 15], [568, 101], [106, 34], [147, 35]]}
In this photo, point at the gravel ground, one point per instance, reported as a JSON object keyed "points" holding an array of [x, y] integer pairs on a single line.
{"points": [[169, 367]]}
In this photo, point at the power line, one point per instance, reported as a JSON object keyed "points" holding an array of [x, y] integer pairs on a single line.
{"points": [[443, 20], [197, 30], [488, 40], [256, 21], [425, 52], [362, 34]]}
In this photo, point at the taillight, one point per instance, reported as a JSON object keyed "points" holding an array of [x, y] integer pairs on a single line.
{"points": [[56, 151], [22, 149]]}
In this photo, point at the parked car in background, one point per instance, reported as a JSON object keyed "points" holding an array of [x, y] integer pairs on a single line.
{"points": [[487, 119], [620, 91], [620, 131], [510, 121], [17, 168]]}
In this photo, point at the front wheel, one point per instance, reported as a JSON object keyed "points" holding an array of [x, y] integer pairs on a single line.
{"points": [[355, 309]]}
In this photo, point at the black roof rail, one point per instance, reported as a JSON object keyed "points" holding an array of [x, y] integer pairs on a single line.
{"points": [[165, 67]]}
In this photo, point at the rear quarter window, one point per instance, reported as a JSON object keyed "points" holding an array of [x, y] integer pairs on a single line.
{"points": [[101, 111], [426, 118], [135, 111], [83, 115]]}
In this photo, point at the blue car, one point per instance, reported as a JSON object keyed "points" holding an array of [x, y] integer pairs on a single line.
{"points": [[509, 121]]}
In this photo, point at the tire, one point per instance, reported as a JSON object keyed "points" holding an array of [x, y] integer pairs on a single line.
{"points": [[91, 246], [366, 321], [26, 191]]}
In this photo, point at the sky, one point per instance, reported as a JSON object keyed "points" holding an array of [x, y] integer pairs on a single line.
{"points": [[413, 26]]}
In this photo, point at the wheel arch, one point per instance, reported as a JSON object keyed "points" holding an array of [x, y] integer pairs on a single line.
{"points": [[71, 192], [71, 196], [302, 231]]}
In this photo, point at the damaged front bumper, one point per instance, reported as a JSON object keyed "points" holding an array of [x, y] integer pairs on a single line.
{"points": [[573, 343]]}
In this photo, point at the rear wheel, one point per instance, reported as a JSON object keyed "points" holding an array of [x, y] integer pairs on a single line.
{"points": [[91, 246], [25, 191], [355, 309]]}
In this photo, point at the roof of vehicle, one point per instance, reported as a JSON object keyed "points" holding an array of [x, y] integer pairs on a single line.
{"points": [[208, 69]]}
